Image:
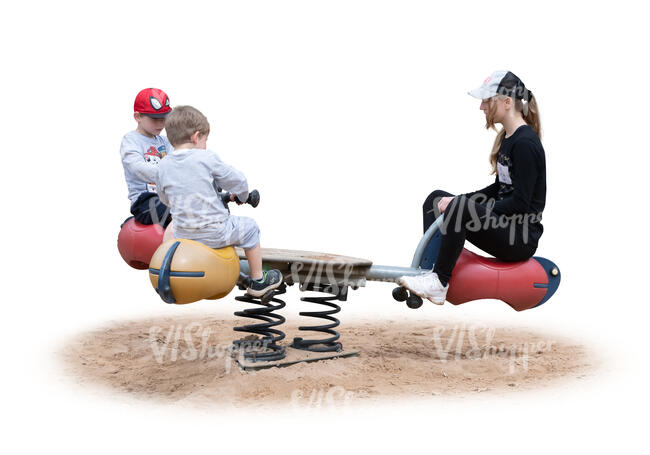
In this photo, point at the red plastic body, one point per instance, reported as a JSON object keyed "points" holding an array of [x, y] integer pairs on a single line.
{"points": [[476, 277], [138, 242]]}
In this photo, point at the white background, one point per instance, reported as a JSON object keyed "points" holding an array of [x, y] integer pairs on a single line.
{"points": [[345, 115]]}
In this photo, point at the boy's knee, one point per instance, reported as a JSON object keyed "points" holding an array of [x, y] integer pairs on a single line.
{"points": [[160, 213], [251, 224], [246, 232]]}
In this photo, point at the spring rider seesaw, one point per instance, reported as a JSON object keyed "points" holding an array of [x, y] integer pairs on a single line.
{"points": [[184, 271]]}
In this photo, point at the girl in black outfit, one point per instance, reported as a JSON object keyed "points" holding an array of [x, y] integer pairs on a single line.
{"points": [[504, 218]]}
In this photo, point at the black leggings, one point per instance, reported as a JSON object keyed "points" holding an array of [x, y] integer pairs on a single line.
{"points": [[503, 237]]}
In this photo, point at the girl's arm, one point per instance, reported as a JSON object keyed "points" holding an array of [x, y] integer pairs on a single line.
{"points": [[489, 191], [525, 171]]}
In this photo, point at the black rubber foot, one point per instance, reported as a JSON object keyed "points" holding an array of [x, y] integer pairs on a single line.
{"points": [[414, 301], [400, 294]]}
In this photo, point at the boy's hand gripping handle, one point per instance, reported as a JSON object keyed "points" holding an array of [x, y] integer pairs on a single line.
{"points": [[253, 198]]}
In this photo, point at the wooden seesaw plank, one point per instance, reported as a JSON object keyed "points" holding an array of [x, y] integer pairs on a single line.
{"points": [[306, 257], [310, 267]]}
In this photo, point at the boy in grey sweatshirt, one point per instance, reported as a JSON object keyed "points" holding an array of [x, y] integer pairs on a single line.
{"points": [[187, 182]]}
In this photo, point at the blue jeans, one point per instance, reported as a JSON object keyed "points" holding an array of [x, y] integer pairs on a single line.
{"points": [[148, 209]]}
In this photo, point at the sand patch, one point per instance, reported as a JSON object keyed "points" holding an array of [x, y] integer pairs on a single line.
{"points": [[188, 359]]}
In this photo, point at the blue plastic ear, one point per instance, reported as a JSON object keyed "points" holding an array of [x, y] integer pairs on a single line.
{"points": [[164, 288], [554, 277]]}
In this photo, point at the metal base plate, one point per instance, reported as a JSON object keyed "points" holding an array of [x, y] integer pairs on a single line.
{"points": [[293, 357]]}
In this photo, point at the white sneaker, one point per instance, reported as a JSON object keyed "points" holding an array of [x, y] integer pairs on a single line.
{"points": [[427, 285]]}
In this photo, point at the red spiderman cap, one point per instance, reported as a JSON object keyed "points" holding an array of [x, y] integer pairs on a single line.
{"points": [[152, 102]]}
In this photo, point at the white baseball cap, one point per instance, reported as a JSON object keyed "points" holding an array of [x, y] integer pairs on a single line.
{"points": [[502, 83]]}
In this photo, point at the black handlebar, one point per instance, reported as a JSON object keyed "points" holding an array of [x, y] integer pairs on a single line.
{"points": [[253, 198]]}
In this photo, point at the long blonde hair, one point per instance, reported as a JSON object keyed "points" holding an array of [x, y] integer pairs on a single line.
{"points": [[530, 113]]}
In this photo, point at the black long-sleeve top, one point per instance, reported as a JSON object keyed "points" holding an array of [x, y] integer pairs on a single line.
{"points": [[520, 184]]}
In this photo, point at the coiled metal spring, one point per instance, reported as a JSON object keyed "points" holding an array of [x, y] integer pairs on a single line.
{"points": [[330, 344], [264, 348]]}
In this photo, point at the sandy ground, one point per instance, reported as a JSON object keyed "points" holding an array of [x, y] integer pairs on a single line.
{"points": [[188, 360]]}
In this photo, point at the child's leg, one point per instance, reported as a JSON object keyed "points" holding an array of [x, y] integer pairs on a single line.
{"points": [[169, 232], [245, 233], [148, 209], [254, 256]]}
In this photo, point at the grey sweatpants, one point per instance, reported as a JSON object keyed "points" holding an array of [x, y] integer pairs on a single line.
{"points": [[239, 231]]}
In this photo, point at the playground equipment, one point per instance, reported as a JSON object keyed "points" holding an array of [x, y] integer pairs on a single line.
{"points": [[217, 271], [138, 242], [184, 271]]}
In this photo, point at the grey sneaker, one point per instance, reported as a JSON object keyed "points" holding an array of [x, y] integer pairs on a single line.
{"points": [[270, 280]]}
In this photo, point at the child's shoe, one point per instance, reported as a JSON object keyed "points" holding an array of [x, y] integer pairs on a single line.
{"points": [[427, 285], [270, 280]]}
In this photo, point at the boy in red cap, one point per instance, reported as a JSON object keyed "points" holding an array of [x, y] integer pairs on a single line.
{"points": [[141, 152]]}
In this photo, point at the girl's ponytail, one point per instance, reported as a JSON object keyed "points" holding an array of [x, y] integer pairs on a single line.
{"points": [[530, 113]]}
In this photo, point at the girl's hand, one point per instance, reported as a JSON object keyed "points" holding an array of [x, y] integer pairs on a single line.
{"points": [[443, 203]]}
